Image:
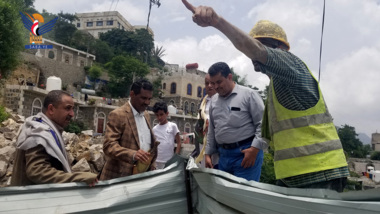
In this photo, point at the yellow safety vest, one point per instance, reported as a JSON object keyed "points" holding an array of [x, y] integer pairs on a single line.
{"points": [[303, 141]]}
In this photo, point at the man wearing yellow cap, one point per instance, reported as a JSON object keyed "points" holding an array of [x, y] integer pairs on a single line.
{"points": [[296, 121]]}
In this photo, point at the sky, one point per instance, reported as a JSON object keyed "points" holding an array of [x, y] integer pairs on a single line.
{"points": [[350, 63]]}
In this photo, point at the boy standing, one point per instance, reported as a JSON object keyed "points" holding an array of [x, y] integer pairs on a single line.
{"points": [[166, 133]]}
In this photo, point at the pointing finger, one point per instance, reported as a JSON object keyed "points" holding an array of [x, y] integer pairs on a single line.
{"points": [[189, 6]]}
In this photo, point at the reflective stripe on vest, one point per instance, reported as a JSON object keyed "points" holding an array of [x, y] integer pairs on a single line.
{"points": [[304, 141]]}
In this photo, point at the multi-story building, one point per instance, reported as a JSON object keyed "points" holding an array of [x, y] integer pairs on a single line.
{"points": [[375, 142], [101, 22], [183, 87]]}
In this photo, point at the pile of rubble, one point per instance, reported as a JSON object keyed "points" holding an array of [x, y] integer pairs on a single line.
{"points": [[85, 153]]}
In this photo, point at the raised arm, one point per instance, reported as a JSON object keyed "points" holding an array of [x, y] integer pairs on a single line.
{"points": [[206, 16]]}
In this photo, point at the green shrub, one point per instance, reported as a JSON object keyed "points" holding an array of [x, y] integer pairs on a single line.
{"points": [[354, 174], [375, 156], [3, 114], [353, 185], [75, 126]]}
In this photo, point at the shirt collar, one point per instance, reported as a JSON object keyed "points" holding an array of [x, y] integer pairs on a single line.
{"points": [[234, 91], [135, 113]]}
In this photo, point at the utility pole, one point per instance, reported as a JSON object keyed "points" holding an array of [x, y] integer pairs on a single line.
{"points": [[152, 2]]}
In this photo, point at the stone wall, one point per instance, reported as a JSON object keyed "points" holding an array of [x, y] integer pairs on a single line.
{"points": [[69, 74], [28, 100]]}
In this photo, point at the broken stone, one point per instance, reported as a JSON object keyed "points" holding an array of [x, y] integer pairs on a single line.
{"points": [[9, 135], [98, 160], [81, 166], [7, 154], [70, 158], [3, 168], [86, 155], [88, 132], [70, 138], [4, 129]]}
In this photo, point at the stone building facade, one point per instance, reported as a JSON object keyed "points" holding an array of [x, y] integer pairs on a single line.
{"points": [[183, 88], [375, 142], [28, 100], [101, 22], [61, 61]]}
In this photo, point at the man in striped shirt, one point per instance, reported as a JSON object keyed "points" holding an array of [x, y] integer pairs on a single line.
{"points": [[307, 150]]}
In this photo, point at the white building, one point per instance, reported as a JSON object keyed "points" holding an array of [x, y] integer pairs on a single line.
{"points": [[101, 22]]}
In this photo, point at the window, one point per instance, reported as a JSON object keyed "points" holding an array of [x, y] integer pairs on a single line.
{"points": [[78, 24], [187, 128], [173, 88], [192, 108], [36, 106], [67, 59], [82, 63], [51, 55], [118, 25], [89, 24], [199, 94], [204, 92], [186, 108], [109, 22], [189, 88], [164, 86], [99, 23]]}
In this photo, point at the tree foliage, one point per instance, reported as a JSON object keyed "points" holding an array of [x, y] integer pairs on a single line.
{"points": [[351, 144], [138, 44], [375, 156], [11, 35], [123, 70], [64, 28], [95, 72]]}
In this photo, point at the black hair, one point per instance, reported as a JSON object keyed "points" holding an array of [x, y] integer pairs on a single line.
{"points": [[160, 105], [53, 97], [219, 67], [141, 84]]}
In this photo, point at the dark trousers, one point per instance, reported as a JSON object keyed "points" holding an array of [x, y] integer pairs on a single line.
{"points": [[337, 184]]}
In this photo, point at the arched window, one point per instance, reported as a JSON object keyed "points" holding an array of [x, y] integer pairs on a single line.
{"points": [[164, 86], [199, 91], [192, 108], [100, 122], [204, 91], [36, 106], [186, 108], [189, 89], [173, 88], [187, 128]]}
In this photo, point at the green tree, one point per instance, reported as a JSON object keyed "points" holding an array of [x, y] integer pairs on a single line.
{"points": [[157, 54], [64, 28], [375, 156], [138, 44], [351, 144], [238, 79], [123, 70], [157, 86], [95, 72], [11, 35]]}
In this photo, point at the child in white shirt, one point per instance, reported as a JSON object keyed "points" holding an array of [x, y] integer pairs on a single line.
{"points": [[166, 133]]}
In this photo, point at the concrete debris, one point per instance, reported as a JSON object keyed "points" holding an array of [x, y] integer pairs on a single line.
{"points": [[7, 154], [81, 166], [9, 135], [3, 168]]}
